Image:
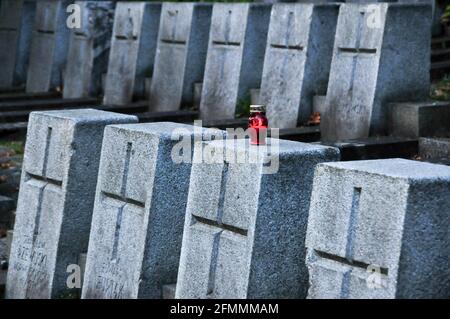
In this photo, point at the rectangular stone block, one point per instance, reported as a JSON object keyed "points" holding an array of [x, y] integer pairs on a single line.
{"points": [[379, 229], [435, 150], [56, 199], [420, 119], [89, 50], [16, 25], [245, 230], [132, 51], [297, 61], [180, 54], [139, 211], [381, 54], [234, 64], [49, 46]]}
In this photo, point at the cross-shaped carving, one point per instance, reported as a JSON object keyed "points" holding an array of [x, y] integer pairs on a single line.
{"points": [[227, 41], [42, 181], [357, 51], [123, 201], [220, 227], [129, 29], [290, 28], [348, 259], [173, 15]]}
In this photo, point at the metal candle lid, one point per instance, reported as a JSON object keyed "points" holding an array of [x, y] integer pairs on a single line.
{"points": [[257, 108]]}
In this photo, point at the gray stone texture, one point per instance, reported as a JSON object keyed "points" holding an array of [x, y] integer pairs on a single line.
{"points": [[234, 64], [244, 231], [180, 54], [16, 25], [391, 215], [435, 150], [297, 61], [420, 119], [56, 198], [381, 54], [89, 48], [49, 46], [133, 51], [139, 211]]}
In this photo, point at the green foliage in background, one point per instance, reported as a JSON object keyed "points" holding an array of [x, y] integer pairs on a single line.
{"points": [[441, 90], [446, 15], [243, 106]]}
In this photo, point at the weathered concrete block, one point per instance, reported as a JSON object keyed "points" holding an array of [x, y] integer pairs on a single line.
{"points": [[89, 50], [49, 46], [139, 211], [420, 119], [180, 55], [16, 25], [297, 61], [235, 58], [379, 229], [56, 198], [133, 51], [244, 231], [381, 54], [435, 150]]}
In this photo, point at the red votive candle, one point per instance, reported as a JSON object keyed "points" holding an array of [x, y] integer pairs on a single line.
{"points": [[258, 124]]}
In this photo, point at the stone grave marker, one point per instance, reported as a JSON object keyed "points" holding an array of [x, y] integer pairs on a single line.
{"points": [[56, 199], [16, 25], [381, 55], [139, 211], [244, 231], [379, 229], [133, 51], [49, 46], [180, 55], [235, 58], [297, 61], [89, 50]]}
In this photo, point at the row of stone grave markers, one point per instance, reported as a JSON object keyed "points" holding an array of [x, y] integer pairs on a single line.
{"points": [[285, 220], [356, 58]]}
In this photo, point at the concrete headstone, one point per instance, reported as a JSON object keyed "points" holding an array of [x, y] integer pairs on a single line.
{"points": [[56, 199], [297, 61], [379, 229], [245, 230], [133, 51], [49, 46], [381, 54], [16, 26], [89, 50], [139, 211], [180, 55], [234, 64]]}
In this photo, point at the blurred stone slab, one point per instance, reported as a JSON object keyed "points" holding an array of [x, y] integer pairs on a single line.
{"points": [[169, 291], [379, 229], [372, 65], [89, 50], [377, 147], [56, 198], [139, 211], [297, 61], [133, 51], [420, 119], [436, 150], [49, 46], [16, 25], [234, 64], [180, 54], [7, 205], [246, 220]]}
